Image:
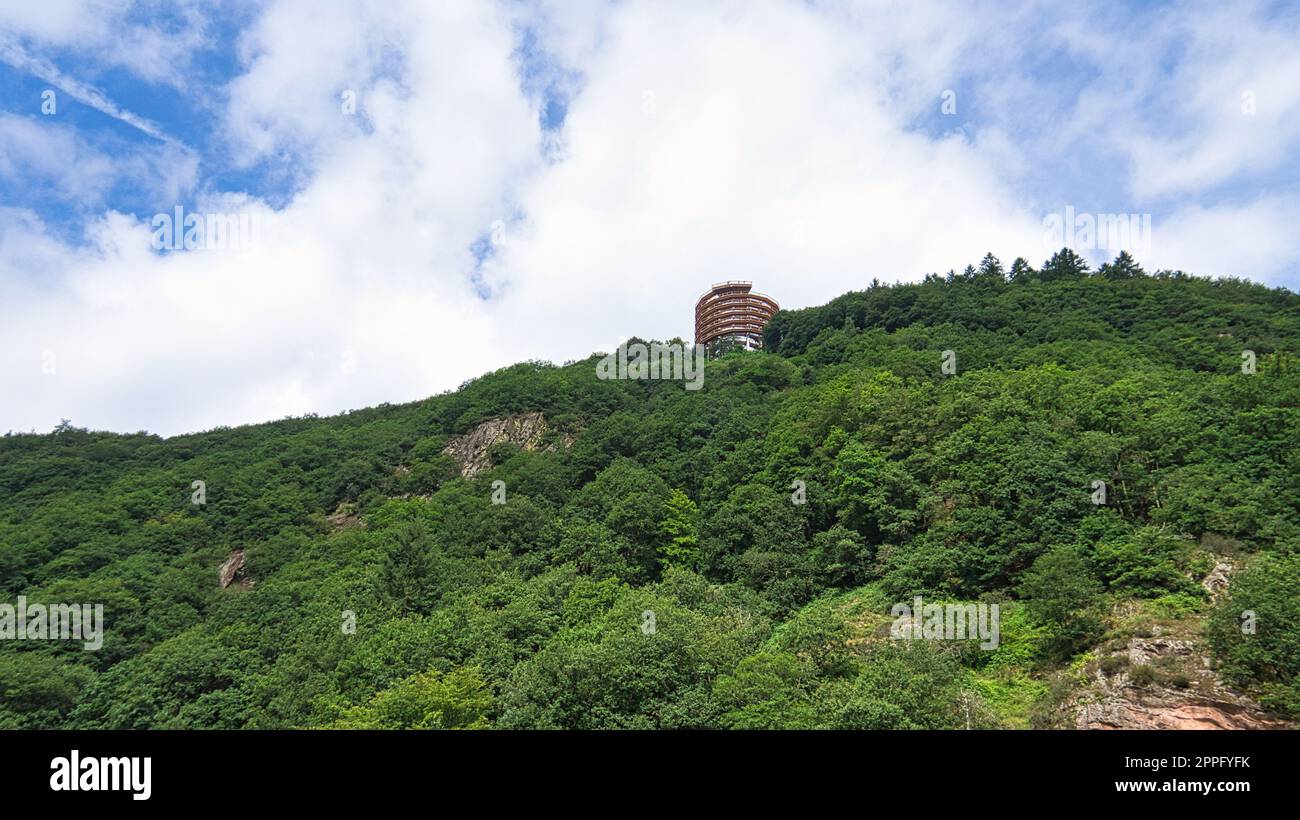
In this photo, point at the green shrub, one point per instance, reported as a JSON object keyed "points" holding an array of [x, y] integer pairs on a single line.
{"points": [[1142, 675], [1254, 631]]}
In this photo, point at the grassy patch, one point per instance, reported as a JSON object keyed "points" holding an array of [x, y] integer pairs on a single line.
{"points": [[1010, 694]]}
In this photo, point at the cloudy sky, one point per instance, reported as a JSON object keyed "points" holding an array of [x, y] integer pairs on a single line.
{"points": [[441, 189]]}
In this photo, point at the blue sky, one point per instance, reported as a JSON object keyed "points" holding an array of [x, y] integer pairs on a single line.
{"points": [[534, 180]]}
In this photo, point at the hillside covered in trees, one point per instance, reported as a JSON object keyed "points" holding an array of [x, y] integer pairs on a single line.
{"points": [[720, 558]]}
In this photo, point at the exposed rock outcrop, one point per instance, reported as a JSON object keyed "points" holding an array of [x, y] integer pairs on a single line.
{"points": [[232, 571], [344, 517], [1178, 690], [1146, 650], [524, 430], [1161, 709], [1217, 579]]}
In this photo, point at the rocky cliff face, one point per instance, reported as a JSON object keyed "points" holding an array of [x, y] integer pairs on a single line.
{"points": [[1165, 710], [524, 430], [1165, 683], [1163, 678], [1216, 582], [232, 571]]}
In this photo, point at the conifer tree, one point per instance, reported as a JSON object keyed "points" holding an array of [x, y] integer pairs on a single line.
{"points": [[1064, 264], [1124, 267], [1021, 270]]}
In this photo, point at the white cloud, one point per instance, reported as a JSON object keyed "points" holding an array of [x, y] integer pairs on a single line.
{"points": [[60, 21], [1254, 240], [16, 56], [35, 151], [369, 265], [764, 151], [766, 141], [108, 32], [1237, 94]]}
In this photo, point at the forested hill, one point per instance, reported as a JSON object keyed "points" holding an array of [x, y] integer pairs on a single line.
{"points": [[727, 557], [1166, 317]]}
